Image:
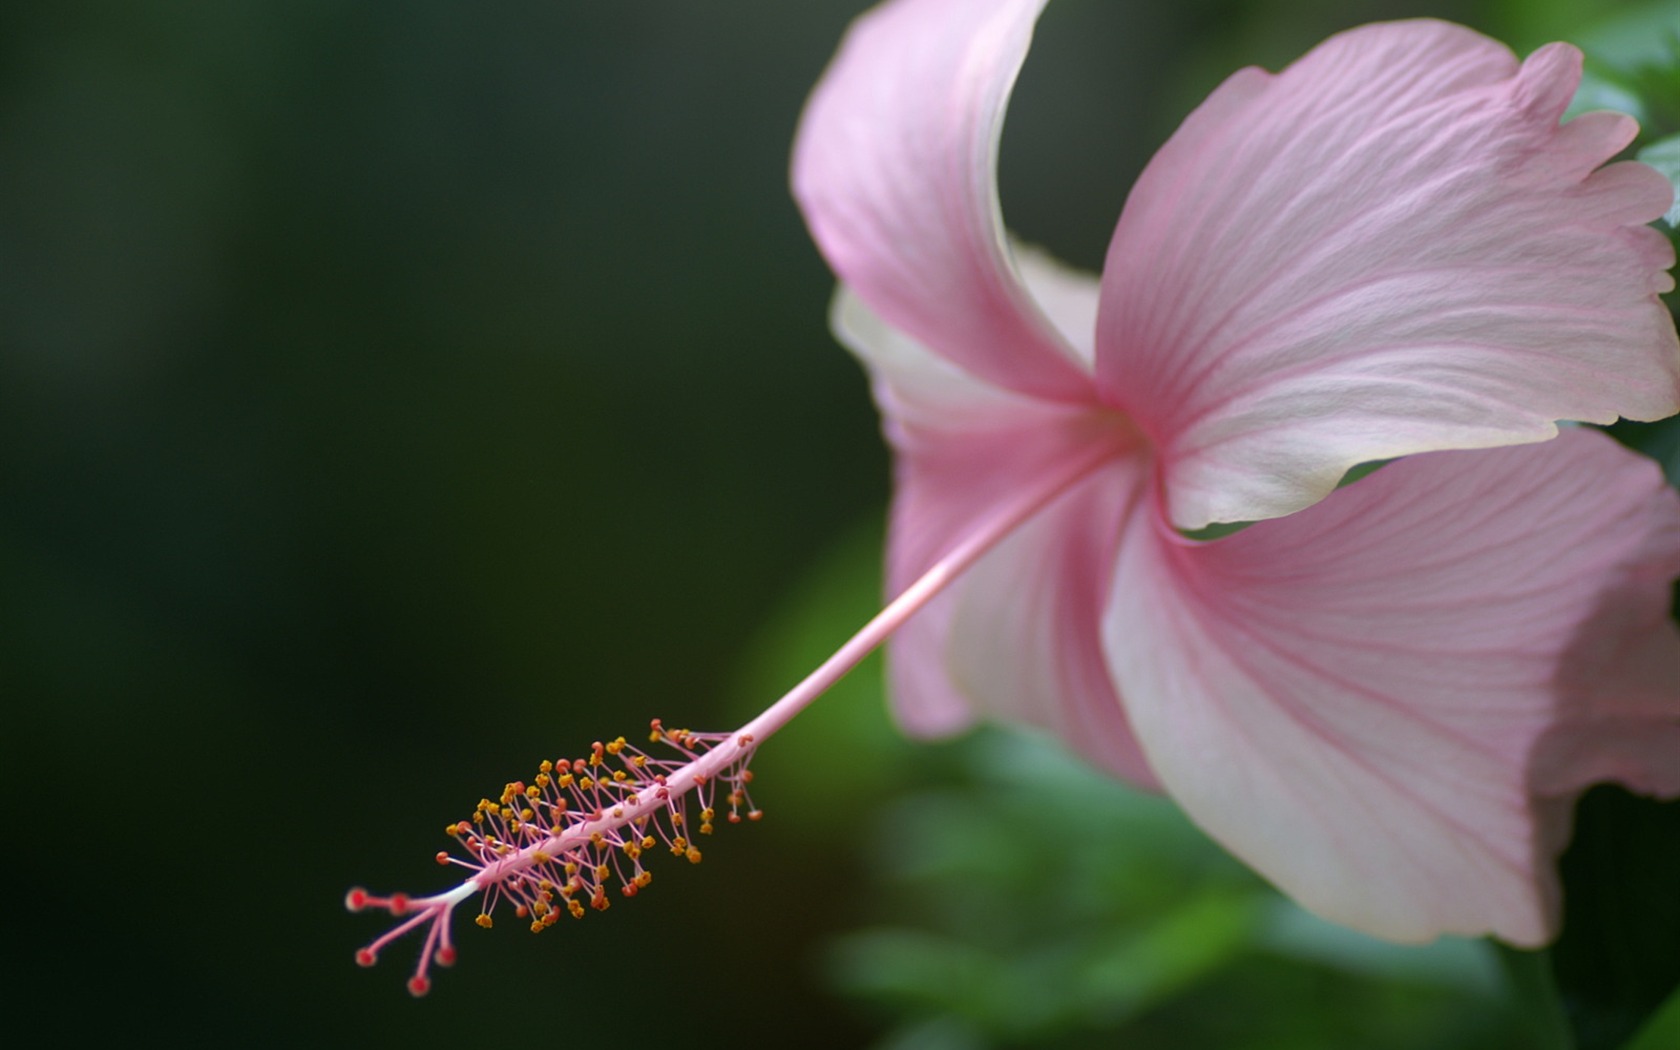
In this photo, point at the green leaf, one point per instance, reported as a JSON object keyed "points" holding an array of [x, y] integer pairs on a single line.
{"points": [[1619, 956], [1133, 969], [1643, 37], [1633, 66], [1659, 440], [1450, 962], [1601, 89], [1534, 992], [1662, 1032], [1664, 155]]}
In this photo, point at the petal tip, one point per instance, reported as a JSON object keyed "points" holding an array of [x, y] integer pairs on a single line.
{"points": [[1547, 81]]}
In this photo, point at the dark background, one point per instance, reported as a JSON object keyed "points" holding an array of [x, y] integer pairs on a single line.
{"points": [[394, 394]]}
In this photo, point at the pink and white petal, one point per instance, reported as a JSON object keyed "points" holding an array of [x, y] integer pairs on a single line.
{"points": [[1390, 247], [1385, 702], [920, 390], [1024, 645], [1624, 725], [1016, 637], [895, 168], [962, 447]]}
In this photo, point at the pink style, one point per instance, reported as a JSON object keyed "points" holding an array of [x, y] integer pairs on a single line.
{"points": [[1384, 697]]}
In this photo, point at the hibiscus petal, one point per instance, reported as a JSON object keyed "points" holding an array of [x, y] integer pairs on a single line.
{"points": [[1025, 645], [1368, 701], [895, 170], [1390, 247], [1016, 637]]}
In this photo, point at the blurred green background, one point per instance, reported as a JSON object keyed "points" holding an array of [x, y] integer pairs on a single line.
{"points": [[394, 394]]}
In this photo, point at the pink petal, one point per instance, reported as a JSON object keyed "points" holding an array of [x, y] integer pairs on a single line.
{"points": [[1016, 637], [1366, 701], [1389, 247], [1024, 644], [895, 169]]}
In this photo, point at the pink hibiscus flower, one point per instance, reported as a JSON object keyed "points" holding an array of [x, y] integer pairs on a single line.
{"points": [[1384, 697], [1387, 701]]}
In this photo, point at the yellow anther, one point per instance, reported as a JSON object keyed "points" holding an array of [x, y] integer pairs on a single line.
{"points": [[527, 815], [679, 843], [571, 867], [595, 758], [540, 857], [648, 842], [535, 791], [705, 829], [565, 780], [707, 814], [546, 767], [693, 855], [640, 761], [620, 776], [576, 908], [536, 926], [643, 878], [586, 783], [597, 839], [616, 746], [601, 873], [484, 920], [632, 850]]}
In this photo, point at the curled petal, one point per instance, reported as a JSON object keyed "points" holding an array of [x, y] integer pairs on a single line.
{"points": [[1390, 247], [895, 170], [1016, 637], [1368, 701]]}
